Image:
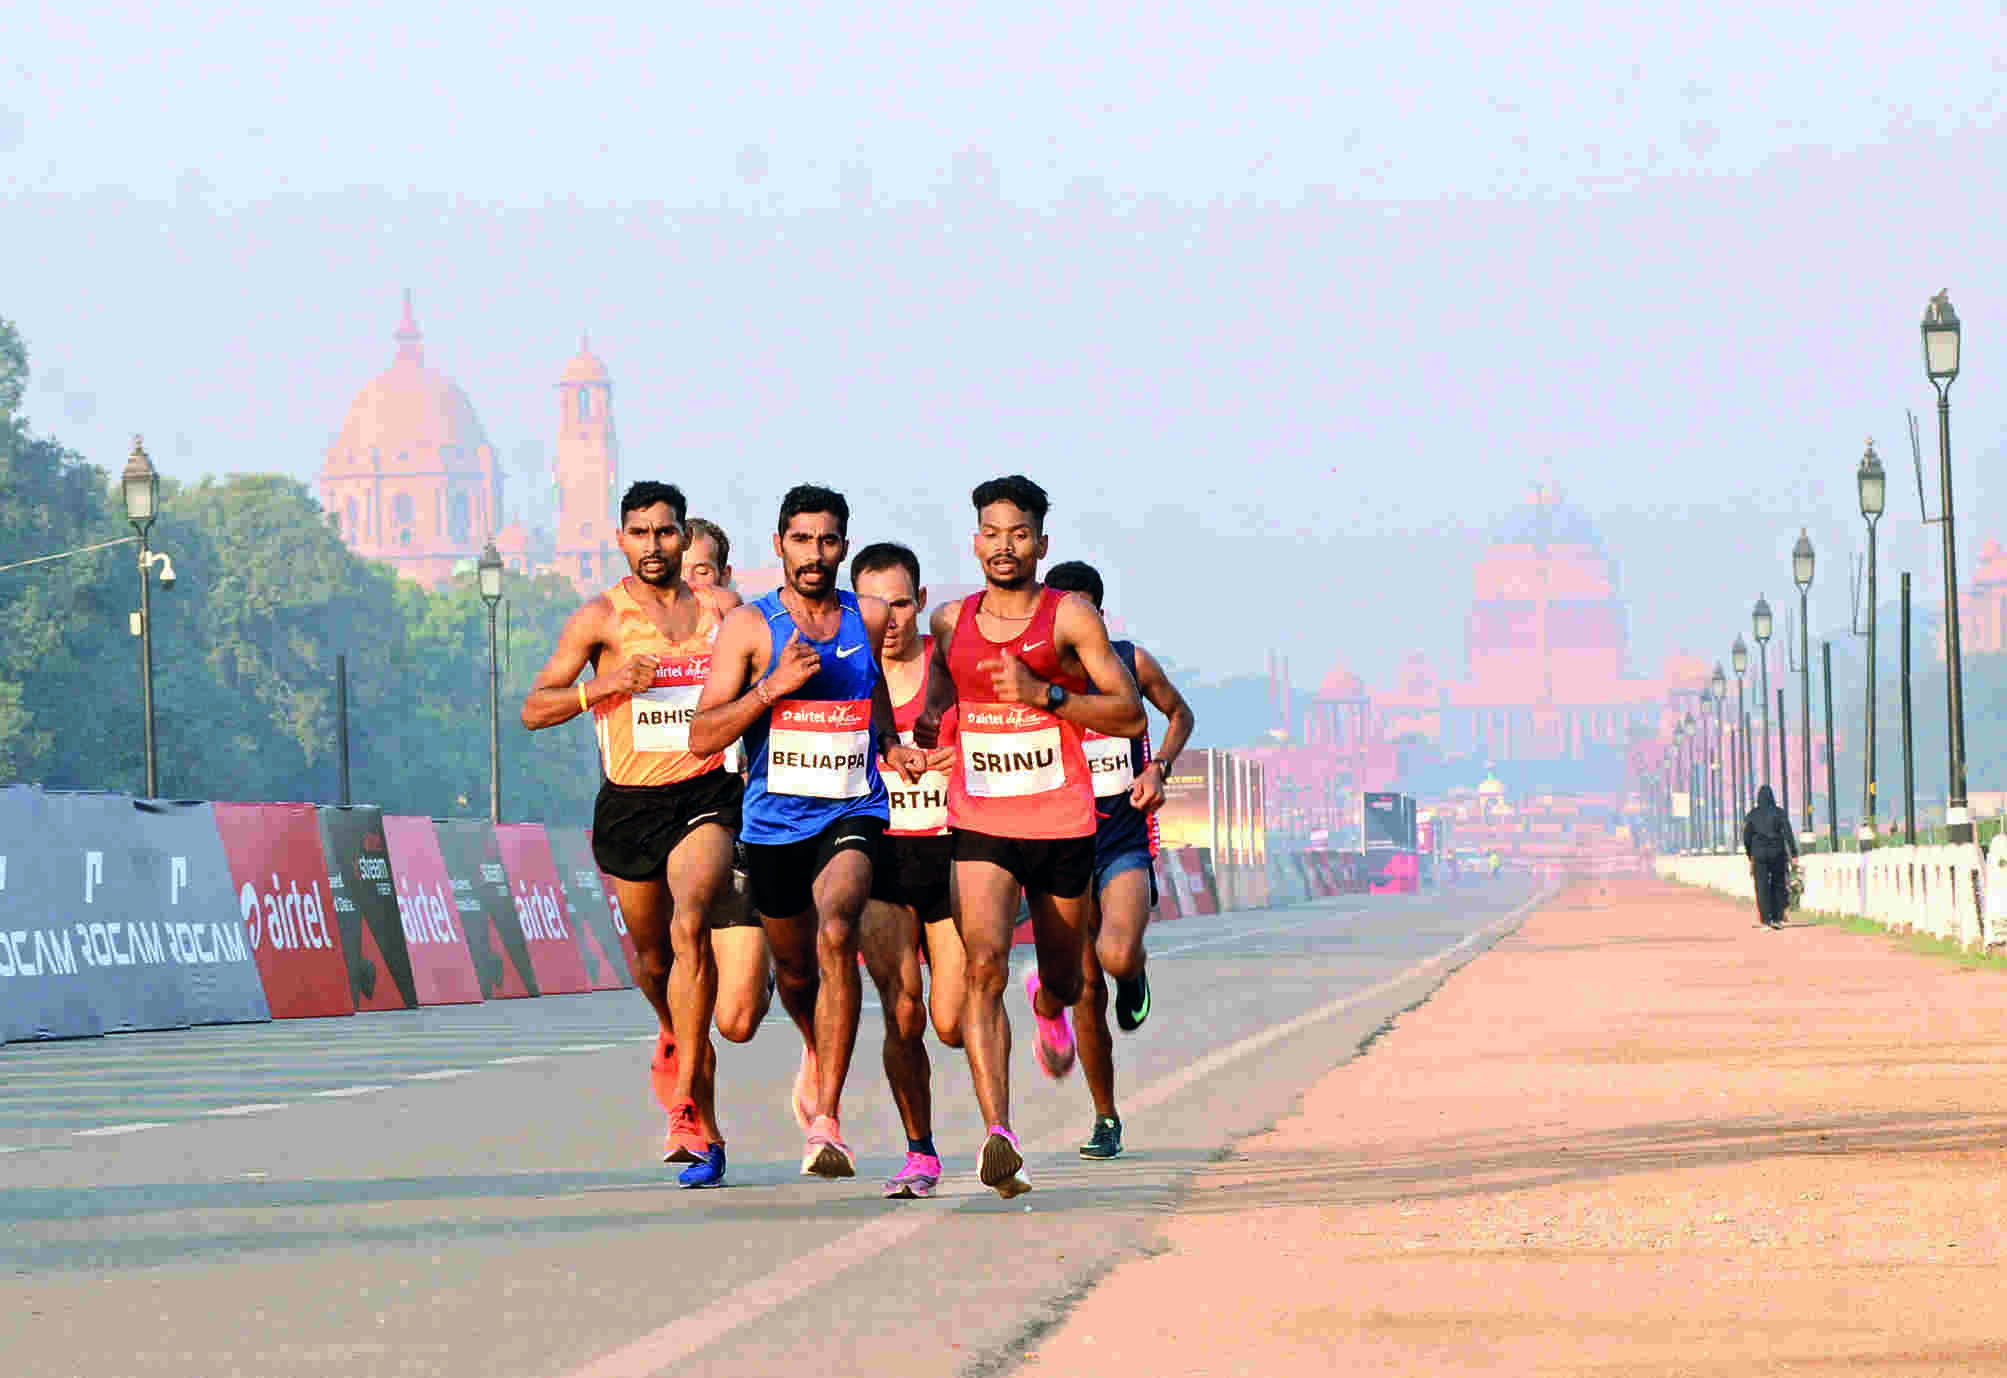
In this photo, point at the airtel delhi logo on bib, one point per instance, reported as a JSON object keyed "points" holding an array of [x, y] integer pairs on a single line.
{"points": [[1014, 715]]}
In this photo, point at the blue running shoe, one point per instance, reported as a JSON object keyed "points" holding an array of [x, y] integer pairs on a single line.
{"points": [[707, 1171]]}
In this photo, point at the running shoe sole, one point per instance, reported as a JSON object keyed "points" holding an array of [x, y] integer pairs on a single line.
{"points": [[1002, 1168], [909, 1189], [827, 1160]]}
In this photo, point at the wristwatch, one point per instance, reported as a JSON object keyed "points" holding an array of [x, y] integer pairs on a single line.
{"points": [[1055, 695]]}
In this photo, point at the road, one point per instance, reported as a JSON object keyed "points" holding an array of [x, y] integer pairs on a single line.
{"points": [[474, 1191]]}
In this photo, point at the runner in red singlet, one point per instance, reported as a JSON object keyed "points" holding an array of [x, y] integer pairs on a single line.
{"points": [[666, 817], [912, 893], [1016, 661]]}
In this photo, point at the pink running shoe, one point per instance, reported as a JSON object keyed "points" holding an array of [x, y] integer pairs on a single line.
{"points": [[916, 1181], [827, 1155], [1001, 1166], [1055, 1035]]}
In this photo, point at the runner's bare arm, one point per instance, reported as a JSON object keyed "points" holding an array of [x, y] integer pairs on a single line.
{"points": [[1116, 709], [553, 697], [727, 707], [910, 762], [1147, 794], [940, 684]]}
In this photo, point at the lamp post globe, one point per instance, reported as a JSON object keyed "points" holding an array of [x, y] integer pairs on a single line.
{"points": [[1801, 561], [140, 485], [489, 569], [1738, 655], [1940, 340], [1760, 619], [1872, 481]]}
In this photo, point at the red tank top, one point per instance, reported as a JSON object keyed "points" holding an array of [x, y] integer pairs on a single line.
{"points": [[919, 810], [1021, 771]]}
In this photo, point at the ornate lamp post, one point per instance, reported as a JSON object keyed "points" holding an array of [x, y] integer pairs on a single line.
{"points": [[1738, 656], [139, 484], [490, 571], [1873, 484], [1760, 620], [1718, 791], [1940, 364], [1691, 732], [1801, 575]]}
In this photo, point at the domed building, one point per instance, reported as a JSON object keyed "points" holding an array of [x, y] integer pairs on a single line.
{"points": [[410, 478]]}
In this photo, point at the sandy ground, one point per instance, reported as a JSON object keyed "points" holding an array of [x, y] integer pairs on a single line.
{"points": [[1641, 1136]]}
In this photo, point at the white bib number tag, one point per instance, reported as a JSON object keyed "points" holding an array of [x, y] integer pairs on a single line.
{"points": [[921, 808], [1010, 751], [820, 749], [1109, 763], [661, 713]]}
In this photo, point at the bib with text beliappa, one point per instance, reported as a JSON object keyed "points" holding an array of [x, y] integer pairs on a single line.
{"points": [[820, 749]]}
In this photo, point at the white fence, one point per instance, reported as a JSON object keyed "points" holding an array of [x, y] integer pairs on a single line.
{"points": [[1956, 892]]}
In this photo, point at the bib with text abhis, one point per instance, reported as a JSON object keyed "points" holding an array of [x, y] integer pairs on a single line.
{"points": [[660, 714]]}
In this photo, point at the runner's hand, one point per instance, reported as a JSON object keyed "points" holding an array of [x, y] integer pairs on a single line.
{"points": [[927, 732], [1012, 682], [633, 675], [1147, 794], [793, 667], [941, 758], [909, 761]]}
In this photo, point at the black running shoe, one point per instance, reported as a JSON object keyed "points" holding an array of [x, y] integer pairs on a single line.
{"points": [[1132, 1001], [1106, 1140]]}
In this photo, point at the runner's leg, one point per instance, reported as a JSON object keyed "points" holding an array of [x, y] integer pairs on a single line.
{"points": [[644, 908], [700, 871], [840, 892], [1125, 914], [947, 980], [740, 952], [890, 936], [987, 917], [1090, 1020]]}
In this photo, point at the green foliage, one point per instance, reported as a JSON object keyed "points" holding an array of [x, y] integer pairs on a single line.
{"points": [[266, 597]]}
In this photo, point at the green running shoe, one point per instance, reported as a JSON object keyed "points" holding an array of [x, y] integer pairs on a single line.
{"points": [[1106, 1140], [1132, 1002]]}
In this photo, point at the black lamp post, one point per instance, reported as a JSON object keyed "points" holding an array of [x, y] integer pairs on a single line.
{"points": [[490, 570], [1801, 575], [1940, 363], [1760, 618], [1738, 656], [140, 485], [1873, 484], [1691, 732], [1718, 790]]}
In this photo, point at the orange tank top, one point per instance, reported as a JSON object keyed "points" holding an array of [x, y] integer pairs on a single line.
{"points": [[644, 739]]}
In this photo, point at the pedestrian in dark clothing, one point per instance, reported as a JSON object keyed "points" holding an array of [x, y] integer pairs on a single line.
{"points": [[1771, 846]]}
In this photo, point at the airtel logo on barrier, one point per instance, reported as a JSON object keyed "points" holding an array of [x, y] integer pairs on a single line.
{"points": [[425, 915], [292, 919], [540, 914]]}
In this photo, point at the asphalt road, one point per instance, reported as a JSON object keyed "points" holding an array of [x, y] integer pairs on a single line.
{"points": [[475, 1191]]}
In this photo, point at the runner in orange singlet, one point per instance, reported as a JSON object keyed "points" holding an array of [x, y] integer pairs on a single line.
{"points": [[912, 890], [666, 817], [1017, 660]]}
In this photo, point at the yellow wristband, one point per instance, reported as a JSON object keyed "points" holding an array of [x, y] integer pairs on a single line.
{"points": [[583, 706]]}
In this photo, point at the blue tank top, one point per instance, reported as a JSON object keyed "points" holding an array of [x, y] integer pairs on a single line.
{"points": [[810, 757], [1114, 763]]}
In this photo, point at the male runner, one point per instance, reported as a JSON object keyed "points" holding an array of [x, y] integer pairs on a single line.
{"points": [[911, 890], [666, 814], [1128, 791], [815, 808], [1018, 660], [707, 563]]}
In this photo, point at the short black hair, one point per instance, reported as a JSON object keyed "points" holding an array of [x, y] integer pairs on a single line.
{"points": [[883, 555], [1076, 576], [811, 497], [647, 493], [1017, 490]]}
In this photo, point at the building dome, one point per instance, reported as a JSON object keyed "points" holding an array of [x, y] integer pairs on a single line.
{"points": [[1341, 683], [1546, 519], [585, 367], [409, 415]]}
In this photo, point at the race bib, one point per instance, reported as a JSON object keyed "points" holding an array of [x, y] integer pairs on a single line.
{"points": [[1109, 763], [1009, 751], [661, 713], [820, 749], [921, 808]]}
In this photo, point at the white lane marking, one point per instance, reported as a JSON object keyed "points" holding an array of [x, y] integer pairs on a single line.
{"points": [[587, 1047], [686, 1335], [443, 1074], [254, 1108], [352, 1091], [5, 1149], [518, 1061], [105, 1131]]}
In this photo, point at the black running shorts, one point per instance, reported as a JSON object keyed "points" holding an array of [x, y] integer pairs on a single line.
{"points": [[781, 875], [1062, 867], [635, 827], [914, 871]]}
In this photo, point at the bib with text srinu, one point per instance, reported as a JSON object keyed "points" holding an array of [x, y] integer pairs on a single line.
{"points": [[820, 748], [918, 808], [1110, 762], [662, 712], [1009, 751]]}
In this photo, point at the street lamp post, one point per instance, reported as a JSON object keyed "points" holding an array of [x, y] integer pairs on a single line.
{"points": [[1873, 484], [1940, 363], [490, 571], [1738, 656], [140, 486], [1760, 617], [1719, 791], [1801, 575], [1703, 762], [1692, 779]]}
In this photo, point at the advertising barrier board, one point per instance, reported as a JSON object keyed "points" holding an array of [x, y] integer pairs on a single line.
{"points": [[179, 856], [556, 955], [494, 933], [442, 965], [365, 907], [280, 877]]}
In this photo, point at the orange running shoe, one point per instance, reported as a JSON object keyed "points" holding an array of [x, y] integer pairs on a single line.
{"points": [[801, 1099], [662, 1070], [686, 1142]]}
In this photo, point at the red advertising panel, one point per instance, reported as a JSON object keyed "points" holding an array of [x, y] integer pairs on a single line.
{"points": [[608, 885], [547, 927], [442, 966], [281, 879], [585, 902]]}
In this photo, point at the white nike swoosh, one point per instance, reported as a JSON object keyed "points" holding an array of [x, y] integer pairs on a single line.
{"points": [[1031, 645], [844, 651]]}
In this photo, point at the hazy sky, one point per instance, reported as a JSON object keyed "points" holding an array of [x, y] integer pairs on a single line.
{"points": [[1284, 304]]}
